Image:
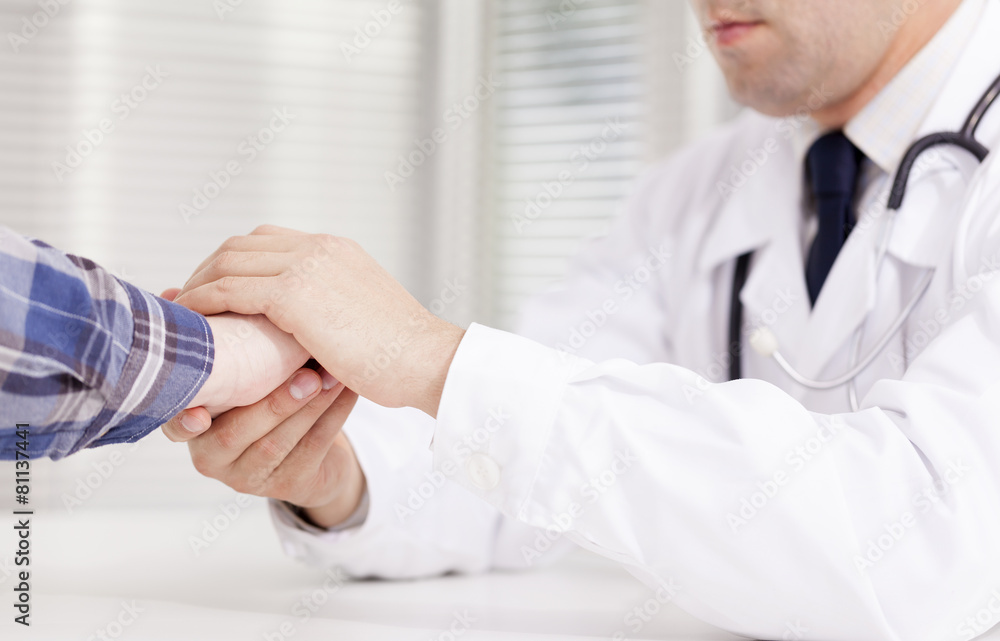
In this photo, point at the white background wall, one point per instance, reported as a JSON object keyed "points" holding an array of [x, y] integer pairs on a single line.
{"points": [[564, 67]]}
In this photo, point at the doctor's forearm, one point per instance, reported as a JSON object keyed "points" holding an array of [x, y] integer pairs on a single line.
{"points": [[352, 489], [741, 470]]}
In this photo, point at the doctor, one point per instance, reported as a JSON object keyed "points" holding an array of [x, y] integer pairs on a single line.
{"points": [[761, 505]]}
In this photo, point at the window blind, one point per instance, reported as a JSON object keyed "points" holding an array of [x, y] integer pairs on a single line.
{"points": [[592, 91], [143, 133]]}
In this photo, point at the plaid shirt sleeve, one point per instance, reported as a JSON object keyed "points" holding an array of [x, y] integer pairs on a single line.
{"points": [[87, 359]]}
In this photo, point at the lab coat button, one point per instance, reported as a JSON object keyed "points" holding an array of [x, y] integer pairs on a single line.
{"points": [[482, 471]]}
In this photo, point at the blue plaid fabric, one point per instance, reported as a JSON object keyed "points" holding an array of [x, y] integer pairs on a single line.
{"points": [[87, 359]]}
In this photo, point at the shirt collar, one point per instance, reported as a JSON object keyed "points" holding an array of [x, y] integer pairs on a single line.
{"points": [[888, 124]]}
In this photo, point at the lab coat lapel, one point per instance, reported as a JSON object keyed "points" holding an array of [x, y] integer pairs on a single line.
{"points": [[924, 227], [848, 295], [926, 221], [765, 216]]}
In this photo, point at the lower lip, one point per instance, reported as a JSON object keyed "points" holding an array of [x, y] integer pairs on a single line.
{"points": [[732, 33]]}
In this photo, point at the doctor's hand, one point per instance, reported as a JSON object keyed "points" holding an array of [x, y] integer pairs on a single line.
{"points": [[348, 312], [288, 446]]}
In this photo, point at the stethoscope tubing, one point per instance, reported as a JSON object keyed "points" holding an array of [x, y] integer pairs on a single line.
{"points": [[964, 139]]}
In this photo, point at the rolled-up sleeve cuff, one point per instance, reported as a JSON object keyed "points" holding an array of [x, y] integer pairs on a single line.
{"points": [[499, 405], [170, 360]]}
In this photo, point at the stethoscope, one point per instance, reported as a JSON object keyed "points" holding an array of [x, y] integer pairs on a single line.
{"points": [[764, 342]]}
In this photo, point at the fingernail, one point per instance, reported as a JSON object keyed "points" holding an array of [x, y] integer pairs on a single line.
{"points": [[329, 382], [303, 386], [191, 424]]}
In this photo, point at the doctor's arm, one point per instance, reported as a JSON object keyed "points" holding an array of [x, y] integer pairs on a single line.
{"points": [[414, 521], [87, 359], [758, 515]]}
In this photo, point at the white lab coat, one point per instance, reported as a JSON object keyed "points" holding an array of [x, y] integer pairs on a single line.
{"points": [[764, 506]]}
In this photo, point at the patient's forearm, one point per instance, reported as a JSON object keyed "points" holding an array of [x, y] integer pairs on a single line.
{"points": [[89, 359]]}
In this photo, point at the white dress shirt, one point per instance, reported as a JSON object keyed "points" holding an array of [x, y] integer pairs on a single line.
{"points": [[768, 503]]}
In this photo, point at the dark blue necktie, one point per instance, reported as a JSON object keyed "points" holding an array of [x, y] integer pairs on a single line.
{"points": [[833, 163]]}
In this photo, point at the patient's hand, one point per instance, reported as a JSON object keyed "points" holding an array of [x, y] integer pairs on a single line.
{"points": [[252, 358], [286, 447]]}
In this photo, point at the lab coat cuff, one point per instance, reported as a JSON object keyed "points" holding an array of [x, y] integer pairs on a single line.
{"points": [[496, 416], [293, 516], [303, 540]]}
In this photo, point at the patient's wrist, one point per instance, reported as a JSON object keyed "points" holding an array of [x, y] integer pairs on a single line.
{"points": [[215, 391]]}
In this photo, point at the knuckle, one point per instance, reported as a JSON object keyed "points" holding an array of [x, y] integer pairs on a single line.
{"points": [[328, 242], [284, 488], [313, 445], [224, 261], [239, 484], [257, 483], [274, 405], [203, 465], [266, 306], [225, 439], [227, 284], [269, 450]]}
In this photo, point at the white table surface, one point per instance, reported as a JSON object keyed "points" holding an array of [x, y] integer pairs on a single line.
{"points": [[85, 565]]}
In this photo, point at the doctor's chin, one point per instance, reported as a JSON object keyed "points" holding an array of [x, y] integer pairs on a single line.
{"points": [[482, 319]]}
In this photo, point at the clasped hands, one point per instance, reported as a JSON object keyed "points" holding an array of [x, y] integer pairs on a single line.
{"points": [[274, 298]]}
